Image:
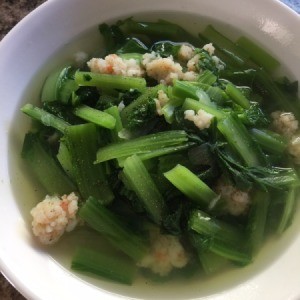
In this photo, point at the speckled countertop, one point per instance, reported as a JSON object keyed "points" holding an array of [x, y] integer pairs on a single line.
{"points": [[11, 12]]}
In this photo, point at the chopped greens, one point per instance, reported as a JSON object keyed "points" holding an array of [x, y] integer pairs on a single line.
{"points": [[168, 148]]}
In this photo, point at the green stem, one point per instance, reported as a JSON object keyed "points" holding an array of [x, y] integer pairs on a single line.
{"points": [[138, 105], [257, 54], [239, 139], [165, 151], [45, 167], [288, 210], [219, 237], [113, 228], [106, 265], [44, 117], [59, 85], [237, 96], [226, 46], [81, 141], [266, 83], [162, 30], [207, 77], [268, 140], [191, 186], [210, 262], [95, 116], [64, 157], [110, 82], [257, 220], [183, 89], [191, 104], [143, 185], [142, 145], [114, 112]]}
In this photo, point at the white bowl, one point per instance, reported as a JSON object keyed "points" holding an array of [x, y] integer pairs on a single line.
{"points": [[52, 34]]}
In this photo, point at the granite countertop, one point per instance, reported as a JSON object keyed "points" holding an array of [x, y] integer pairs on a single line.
{"points": [[11, 12]]}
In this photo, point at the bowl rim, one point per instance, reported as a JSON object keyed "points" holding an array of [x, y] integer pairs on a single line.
{"points": [[281, 12]]}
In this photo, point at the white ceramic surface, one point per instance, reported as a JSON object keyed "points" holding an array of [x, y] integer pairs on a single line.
{"points": [[65, 26]]}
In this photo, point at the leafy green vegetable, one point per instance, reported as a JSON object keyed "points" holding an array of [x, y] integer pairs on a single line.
{"points": [[142, 145], [109, 82], [206, 62], [85, 95], [142, 184], [95, 116], [113, 228], [141, 110], [44, 117], [132, 45], [254, 116], [59, 85], [233, 54], [288, 210], [113, 37], [269, 141], [45, 167], [106, 265], [168, 162], [219, 237], [257, 54], [193, 187], [237, 96], [158, 30], [166, 48], [81, 141], [129, 96], [264, 177], [257, 220]]}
